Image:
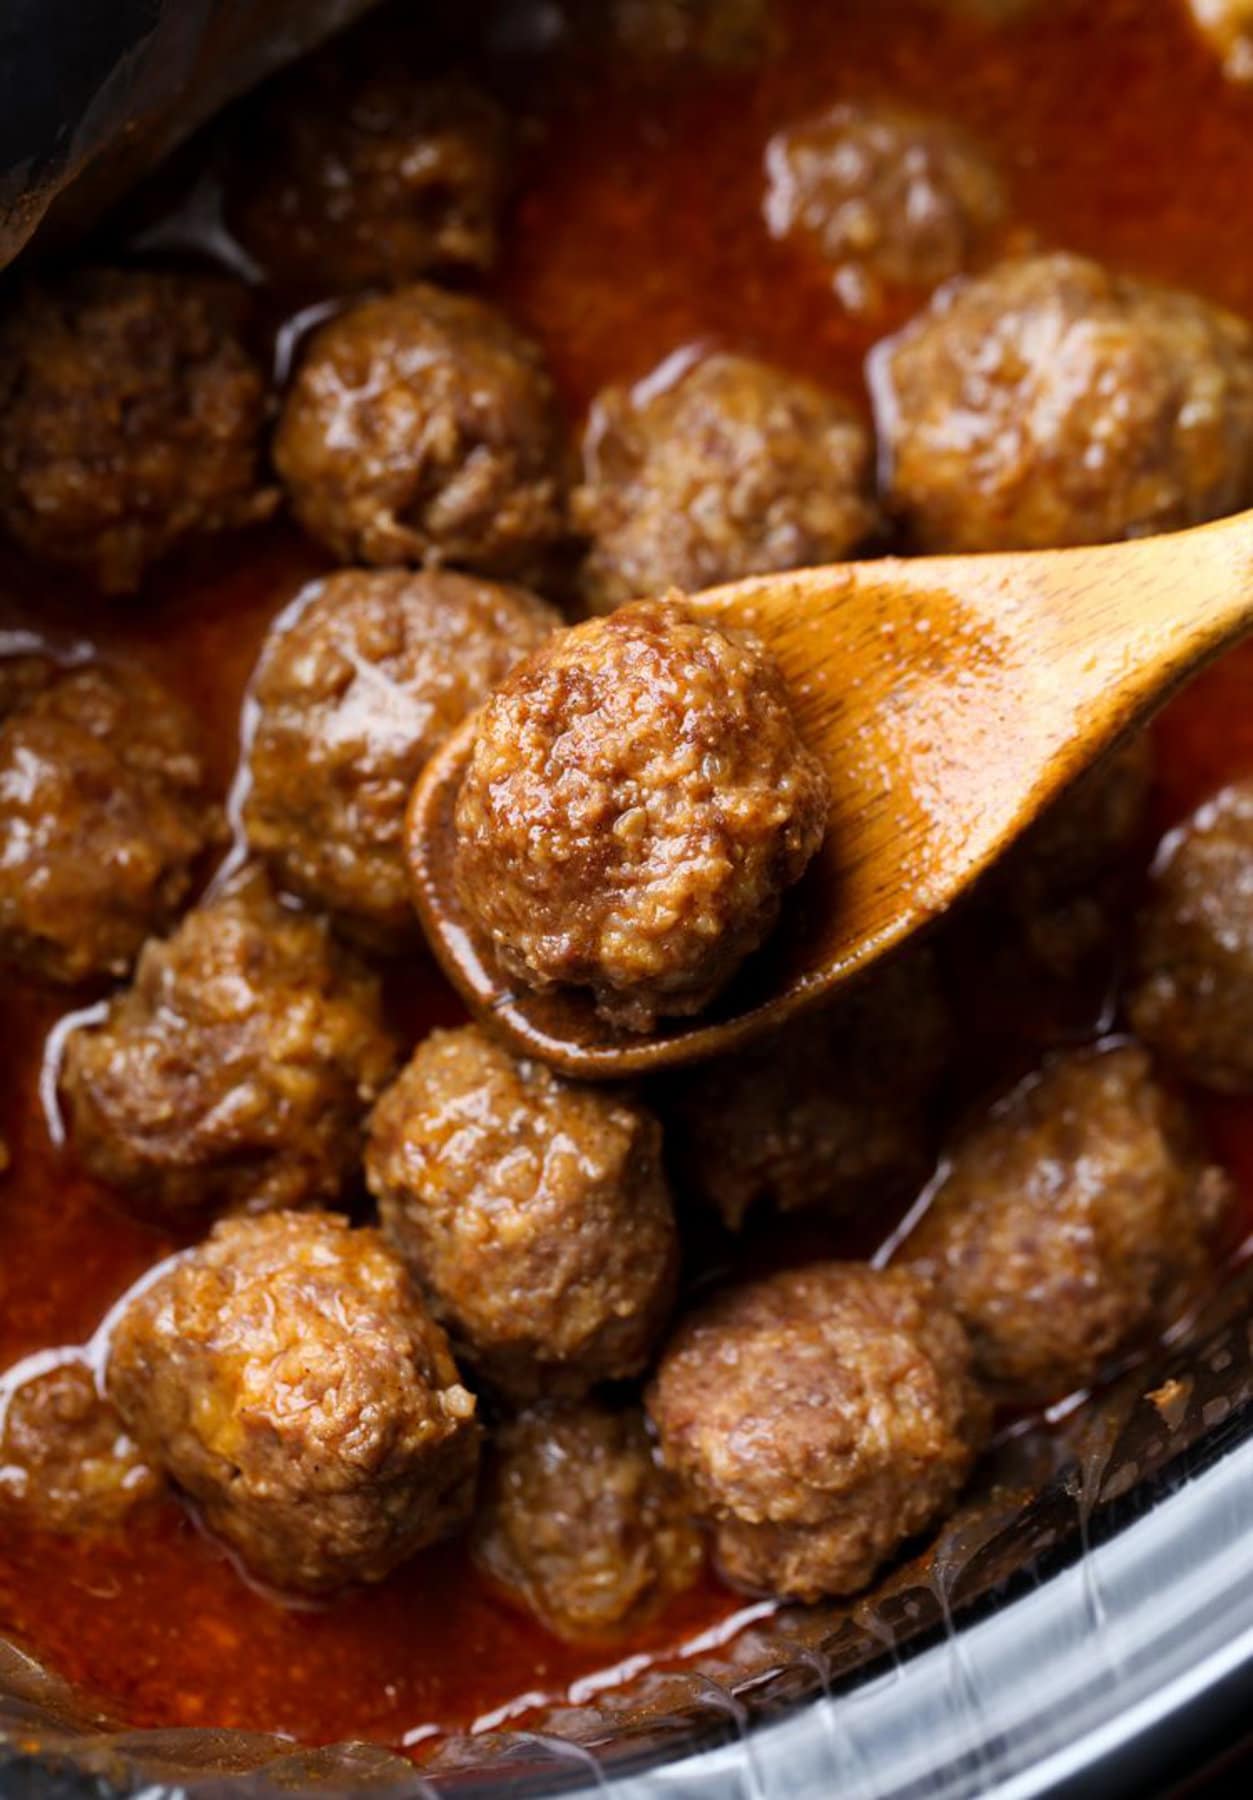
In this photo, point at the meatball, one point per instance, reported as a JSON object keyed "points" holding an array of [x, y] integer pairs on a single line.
{"points": [[1072, 1221], [356, 172], [579, 1524], [421, 428], [103, 815], [353, 694], [724, 33], [883, 194], [637, 801], [288, 1378], [132, 418], [1228, 26], [532, 1212], [831, 1111], [236, 1072], [817, 1420], [23, 674], [715, 468], [1061, 890], [1192, 992], [67, 1463], [1050, 403]]}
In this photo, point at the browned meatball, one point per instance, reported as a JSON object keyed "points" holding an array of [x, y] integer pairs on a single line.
{"points": [[103, 813], [1073, 1220], [1192, 996], [355, 171], [352, 695], [832, 1111], [1049, 402], [883, 194], [715, 468], [532, 1211], [1062, 888], [237, 1070], [23, 674], [132, 419], [725, 33], [1228, 26], [422, 428], [817, 1420], [287, 1377], [580, 1525], [66, 1463], [637, 802]]}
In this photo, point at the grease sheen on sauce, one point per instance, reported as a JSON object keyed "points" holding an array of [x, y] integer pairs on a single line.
{"points": [[637, 231]]}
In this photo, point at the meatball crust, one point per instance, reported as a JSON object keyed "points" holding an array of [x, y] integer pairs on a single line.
{"points": [[715, 468], [237, 1070], [422, 428], [132, 418], [1228, 26], [1071, 1222], [1049, 402], [831, 1111], [67, 1462], [883, 194], [354, 172], [1192, 992], [532, 1212], [817, 1420], [103, 815], [637, 801], [354, 692], [580, 1525], [288, 1378]]}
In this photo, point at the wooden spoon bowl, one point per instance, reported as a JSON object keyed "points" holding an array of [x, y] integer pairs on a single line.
{"points": [[951, 699]]}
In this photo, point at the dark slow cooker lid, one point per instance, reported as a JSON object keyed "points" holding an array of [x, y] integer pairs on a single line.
{"points": [[92, 94]]}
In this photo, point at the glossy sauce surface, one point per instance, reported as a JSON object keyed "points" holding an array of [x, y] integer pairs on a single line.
{"points": [[637, 229]]}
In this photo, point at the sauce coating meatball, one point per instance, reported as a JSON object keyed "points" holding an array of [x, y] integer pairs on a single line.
{"points": [[1071, 1222], [637, 802], [354, 692], [103, 814], [1192, 997], [532, 1212], [817, 1420], [422, 428], [832, 1111], [1049, 402], [355, 171], [132, 418], [1228, 26], [883, 194], [715, 468], [66, 1462], [580, 1525], [288, 1378], [236, 1071]]}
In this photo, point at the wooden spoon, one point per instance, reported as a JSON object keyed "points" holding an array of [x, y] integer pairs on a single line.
{"points": [[950, 698]]}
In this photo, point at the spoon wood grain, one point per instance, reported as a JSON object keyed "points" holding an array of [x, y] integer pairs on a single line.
{"points": [[950, 698]]}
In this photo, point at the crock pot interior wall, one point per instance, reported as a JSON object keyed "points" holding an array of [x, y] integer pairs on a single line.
{"points": [[91, 96]]}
